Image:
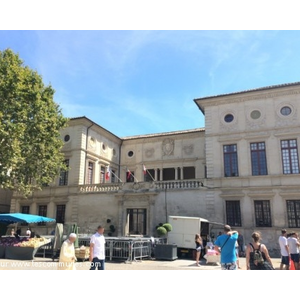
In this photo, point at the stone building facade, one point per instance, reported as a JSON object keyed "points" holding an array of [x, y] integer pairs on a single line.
{"points": [[242, 169]]}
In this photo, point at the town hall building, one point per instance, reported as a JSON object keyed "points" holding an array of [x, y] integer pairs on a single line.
{"points": [[242, 169]]}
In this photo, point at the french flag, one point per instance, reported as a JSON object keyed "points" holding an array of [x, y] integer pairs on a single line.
{"points": [[107, 174], [128, 173]]}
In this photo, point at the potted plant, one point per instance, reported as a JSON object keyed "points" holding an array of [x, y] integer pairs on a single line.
{"points": [[165, 251]]}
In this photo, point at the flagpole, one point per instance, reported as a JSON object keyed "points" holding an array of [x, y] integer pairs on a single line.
{"points": [[108, 169], [150, 175], [118, 177], [127, 170]]}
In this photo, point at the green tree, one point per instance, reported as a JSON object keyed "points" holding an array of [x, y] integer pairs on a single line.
{"points": [[30, 123]]}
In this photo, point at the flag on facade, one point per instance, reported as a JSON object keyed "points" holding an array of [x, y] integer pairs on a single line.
{"points": [[144, 169], [107, 174], [128, 173]]}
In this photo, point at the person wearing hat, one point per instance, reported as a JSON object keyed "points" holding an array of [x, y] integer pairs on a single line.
{"points": [[225, 245], [67, 256]]}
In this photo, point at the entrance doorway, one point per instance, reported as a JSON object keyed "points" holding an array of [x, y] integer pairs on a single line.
{"points": [[137, 218]]}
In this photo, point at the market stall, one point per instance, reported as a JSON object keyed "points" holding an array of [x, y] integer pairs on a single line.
{"points": [[18, 247]]}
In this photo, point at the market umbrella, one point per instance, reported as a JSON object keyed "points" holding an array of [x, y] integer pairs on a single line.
{"points": [[18, 217]]}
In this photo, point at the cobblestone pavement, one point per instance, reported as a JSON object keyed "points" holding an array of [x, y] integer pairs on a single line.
{"points": [[178, 264]]}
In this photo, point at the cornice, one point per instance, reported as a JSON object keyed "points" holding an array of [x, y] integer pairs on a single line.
{"points": [[243, 97]]}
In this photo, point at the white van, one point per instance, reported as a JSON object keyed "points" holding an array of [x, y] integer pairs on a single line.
{"points": [[184, 230]]}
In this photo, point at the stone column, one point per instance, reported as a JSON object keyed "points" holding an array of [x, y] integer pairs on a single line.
{"points": [[151, 216], [121, 223], [181, 173]]}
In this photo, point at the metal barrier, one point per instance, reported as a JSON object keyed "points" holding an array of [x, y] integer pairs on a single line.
{"points": [[141, 249], [128, 249]]}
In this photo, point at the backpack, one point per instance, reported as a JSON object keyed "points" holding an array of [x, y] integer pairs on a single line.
{"points": [[257, 256]]}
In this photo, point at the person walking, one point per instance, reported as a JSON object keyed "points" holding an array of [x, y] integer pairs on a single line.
{"points": [[237, 255], [293, 244], [225, 245], [199, 243], [241, 250], [97, 250], [257, 255], [67, 256], [284, 250]]}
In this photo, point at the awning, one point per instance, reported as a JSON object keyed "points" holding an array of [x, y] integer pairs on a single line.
{"points": [[24, 218]]}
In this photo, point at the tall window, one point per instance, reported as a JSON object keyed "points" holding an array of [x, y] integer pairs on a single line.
{"points": [[102, 174], [150, 175], [168, 174], [258, 158], [60, 213], [43, 213], [233, 213], [90, 173], [137, 221], [25, 210], [129, 176], [64, 174], [230, 161], [113, 176], [262, 213], [293, 213], [189, 173], [289, 152]]}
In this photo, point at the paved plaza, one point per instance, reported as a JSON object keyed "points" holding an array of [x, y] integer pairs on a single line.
{"points": [[178, 264]]}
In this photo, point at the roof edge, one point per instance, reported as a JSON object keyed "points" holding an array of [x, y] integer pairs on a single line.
{"points": [[150, 135], [277, 86]]}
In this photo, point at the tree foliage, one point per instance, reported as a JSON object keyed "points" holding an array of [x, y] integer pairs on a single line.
{"points": [[30, 123]]}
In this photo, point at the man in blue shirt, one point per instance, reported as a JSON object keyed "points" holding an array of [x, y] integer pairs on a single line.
{"points": [[225, 244]]}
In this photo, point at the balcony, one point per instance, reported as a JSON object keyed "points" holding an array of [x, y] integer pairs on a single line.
{"points": [[100, 187], [141, 186]]}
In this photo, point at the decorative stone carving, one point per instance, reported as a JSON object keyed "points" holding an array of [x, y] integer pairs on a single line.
{"points": [[149, 152], [92, 143], [255, 123], [188, 149], [228, 126], [282, 121], [168, 147]]}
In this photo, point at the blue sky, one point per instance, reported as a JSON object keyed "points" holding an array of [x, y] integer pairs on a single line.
{"points": [[139, 82]]}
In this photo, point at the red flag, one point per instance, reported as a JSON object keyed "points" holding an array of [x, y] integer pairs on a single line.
{"points": [[144, 169], [128, 173], [107, 174]]}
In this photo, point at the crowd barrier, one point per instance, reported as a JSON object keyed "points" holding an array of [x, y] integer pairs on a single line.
{"points": [[124, 248]]}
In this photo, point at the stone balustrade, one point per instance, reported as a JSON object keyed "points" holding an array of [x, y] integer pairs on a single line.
{"points": [[100, 188], [141, 186], [178, 184]]}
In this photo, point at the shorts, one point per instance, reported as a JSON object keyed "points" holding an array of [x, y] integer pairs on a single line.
{"points": [[229, 266], [198, 249], [285, 260], [295, 257]]}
